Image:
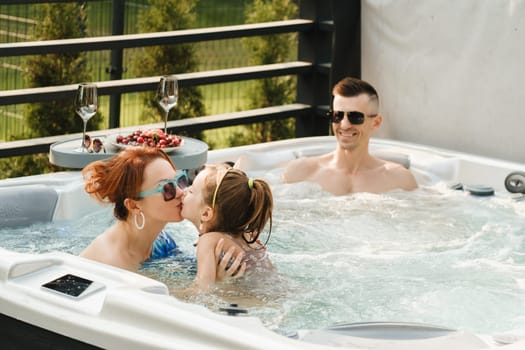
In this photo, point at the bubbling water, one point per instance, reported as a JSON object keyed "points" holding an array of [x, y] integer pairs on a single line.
{"points": [[433, 255]]}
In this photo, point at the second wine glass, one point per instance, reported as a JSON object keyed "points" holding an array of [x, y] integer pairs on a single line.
{"points": [[167, 95], [86, 105]]}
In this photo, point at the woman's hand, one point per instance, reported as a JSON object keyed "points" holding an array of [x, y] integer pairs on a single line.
{"points": [[235, 270]]}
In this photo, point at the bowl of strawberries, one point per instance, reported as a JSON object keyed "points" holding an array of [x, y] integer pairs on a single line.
{"points": [[148, 138]]}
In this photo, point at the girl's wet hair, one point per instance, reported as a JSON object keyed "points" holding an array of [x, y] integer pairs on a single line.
{"points": [[242, 205], [121, 177]]}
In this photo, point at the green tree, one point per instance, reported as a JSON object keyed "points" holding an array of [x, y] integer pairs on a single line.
{"points": [[55, 21], [168, 15], [273, 91]]}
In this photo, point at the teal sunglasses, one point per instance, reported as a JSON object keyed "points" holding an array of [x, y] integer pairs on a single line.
{"points": [[168, 187]]}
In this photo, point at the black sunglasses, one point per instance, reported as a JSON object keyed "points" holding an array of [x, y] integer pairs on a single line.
{"points": [[93, 146], [354, 117], [168, 187]]}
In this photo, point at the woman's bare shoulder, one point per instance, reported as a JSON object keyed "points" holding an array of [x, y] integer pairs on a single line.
{"points": [[102, 244]]}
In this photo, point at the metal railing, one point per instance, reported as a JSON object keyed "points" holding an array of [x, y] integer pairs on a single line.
{"points": [[314, 71]]}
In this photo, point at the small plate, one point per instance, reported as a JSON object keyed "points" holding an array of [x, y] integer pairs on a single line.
{"points": [[112, 140]]}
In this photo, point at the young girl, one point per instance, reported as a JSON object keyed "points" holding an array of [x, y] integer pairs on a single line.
{"points": [[224, 203]]}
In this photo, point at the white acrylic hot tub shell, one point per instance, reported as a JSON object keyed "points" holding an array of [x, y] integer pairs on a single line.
{"points": [[135, 312], [429, 164], [131, 312]]}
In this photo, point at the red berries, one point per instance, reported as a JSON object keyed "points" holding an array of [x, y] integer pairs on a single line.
{"points": [[151, 138]]}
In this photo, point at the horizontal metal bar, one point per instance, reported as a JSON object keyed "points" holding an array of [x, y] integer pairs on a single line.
{"points": [[42, 144], [152, 39], [20, 2], [150, 83], [244, 117]]}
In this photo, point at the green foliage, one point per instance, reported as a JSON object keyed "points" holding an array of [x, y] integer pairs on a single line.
{"points": [[168, 15], [275, 91], [26, 165], [56, 21]]}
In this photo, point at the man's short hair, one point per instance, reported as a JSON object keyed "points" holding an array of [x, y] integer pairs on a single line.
{"points": [[350, 87]]}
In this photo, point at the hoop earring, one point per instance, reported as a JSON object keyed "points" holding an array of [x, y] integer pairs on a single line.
{"points": [[139, 227]]}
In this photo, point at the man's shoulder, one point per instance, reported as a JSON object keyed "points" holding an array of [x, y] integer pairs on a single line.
{"points": [[395, 168], [400, 176], [298, 169], [305, 161]]}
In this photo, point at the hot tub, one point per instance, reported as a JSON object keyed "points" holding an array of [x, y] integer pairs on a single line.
{"points": [[122, 309]]}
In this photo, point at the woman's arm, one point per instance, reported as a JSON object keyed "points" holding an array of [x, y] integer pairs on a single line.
{"points": [[209, 268], [235, 270]]}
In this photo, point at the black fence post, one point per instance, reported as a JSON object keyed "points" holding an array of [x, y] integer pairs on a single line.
{"points": [[115, 69], [315, 46], [335, 48], [346, 57]]}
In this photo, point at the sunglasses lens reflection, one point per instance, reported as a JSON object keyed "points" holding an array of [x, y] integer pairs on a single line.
{"points": [[87, 141], [169, 191], [356, 117], [183, 182], [338, 116], [97, 145]]}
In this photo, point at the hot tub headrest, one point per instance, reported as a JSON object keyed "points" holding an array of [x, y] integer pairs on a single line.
{"points": [[392, 156], [25, 205]]}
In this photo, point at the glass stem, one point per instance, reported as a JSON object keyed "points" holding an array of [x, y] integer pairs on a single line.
{"points": [[166, 122], [84, 136]]}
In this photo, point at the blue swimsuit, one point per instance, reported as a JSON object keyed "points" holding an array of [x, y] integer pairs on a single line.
{"points": [[163, 246]]}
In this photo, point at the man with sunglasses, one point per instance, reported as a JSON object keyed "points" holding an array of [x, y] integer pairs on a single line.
{"points": [[350, 167]]}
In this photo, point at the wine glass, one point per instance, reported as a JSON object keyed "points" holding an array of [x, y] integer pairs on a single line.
{"points": [[167, 95], [86, 106]]}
